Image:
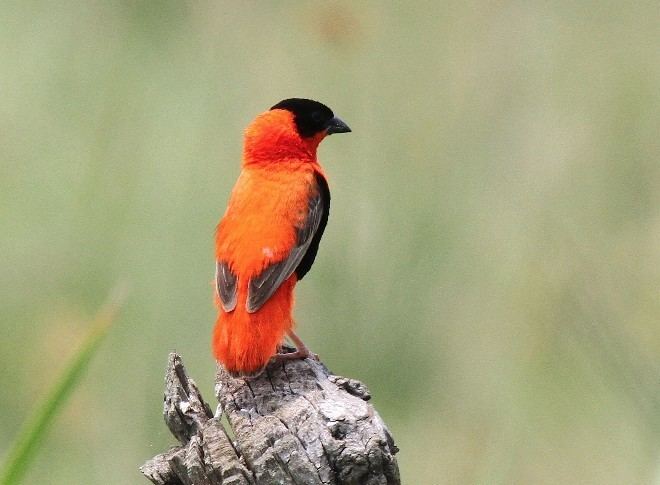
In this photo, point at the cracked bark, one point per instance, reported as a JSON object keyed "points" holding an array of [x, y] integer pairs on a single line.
{"points": [[295, 424]]}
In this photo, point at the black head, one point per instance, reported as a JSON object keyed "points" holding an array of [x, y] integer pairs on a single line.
{"points": [[312, 117]]}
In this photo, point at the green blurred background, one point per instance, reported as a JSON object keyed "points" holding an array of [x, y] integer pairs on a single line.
{"points": [[491, 268]]}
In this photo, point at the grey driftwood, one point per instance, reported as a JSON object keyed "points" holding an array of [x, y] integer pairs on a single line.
{"points": [[295, 424]]}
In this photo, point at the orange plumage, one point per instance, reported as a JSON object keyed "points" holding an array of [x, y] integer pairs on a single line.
{"points": [[270, 232]]}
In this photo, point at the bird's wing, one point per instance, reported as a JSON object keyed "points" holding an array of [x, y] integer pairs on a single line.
{"points": [[262, 286], [225, 283]]}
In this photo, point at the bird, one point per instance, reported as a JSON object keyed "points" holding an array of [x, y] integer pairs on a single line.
{"points": [[269, 235]]}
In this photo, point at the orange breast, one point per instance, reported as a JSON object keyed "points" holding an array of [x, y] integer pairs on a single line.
{"points": [[265, 206]]}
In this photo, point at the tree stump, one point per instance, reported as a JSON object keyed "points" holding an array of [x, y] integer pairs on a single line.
{"points": [[294, 424]]}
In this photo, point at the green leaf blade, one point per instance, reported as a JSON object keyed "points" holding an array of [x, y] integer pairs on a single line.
{"points": [[33, 432]]}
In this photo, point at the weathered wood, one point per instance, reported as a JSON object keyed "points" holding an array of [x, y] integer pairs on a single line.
{"points": [[294, 424]]}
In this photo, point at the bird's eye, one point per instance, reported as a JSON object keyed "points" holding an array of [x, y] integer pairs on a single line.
{"points": [[318, 117]]}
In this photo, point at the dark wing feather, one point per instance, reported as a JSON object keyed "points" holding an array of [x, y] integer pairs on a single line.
{"points": [[225, 283], [263, 286], [308, 260]]}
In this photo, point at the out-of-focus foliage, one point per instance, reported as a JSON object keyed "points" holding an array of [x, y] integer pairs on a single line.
{"points": [[34, 431], [491, 268]]}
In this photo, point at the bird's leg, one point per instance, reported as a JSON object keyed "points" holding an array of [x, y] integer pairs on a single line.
{"points": [[302, 352]]}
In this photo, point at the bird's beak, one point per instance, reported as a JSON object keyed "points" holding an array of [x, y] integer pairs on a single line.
{"points": [[335, 125]]}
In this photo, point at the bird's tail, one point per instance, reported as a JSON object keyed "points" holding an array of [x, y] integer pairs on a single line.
{"points": [[244, 342]]}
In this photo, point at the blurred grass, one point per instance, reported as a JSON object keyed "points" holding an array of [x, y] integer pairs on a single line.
{"points": [[34, 431], [491, 268]]}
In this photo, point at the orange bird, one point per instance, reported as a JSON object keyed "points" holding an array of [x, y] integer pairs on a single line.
{"points": [[268, 238]]}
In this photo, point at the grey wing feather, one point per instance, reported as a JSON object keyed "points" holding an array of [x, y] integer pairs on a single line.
{"points": [[263, 286], [225, 283]]}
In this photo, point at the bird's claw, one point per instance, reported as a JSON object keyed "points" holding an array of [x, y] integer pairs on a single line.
{"points": [[303, 353]]}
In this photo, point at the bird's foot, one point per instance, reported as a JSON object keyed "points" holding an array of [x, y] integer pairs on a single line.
{"points": [[302, 353]]}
